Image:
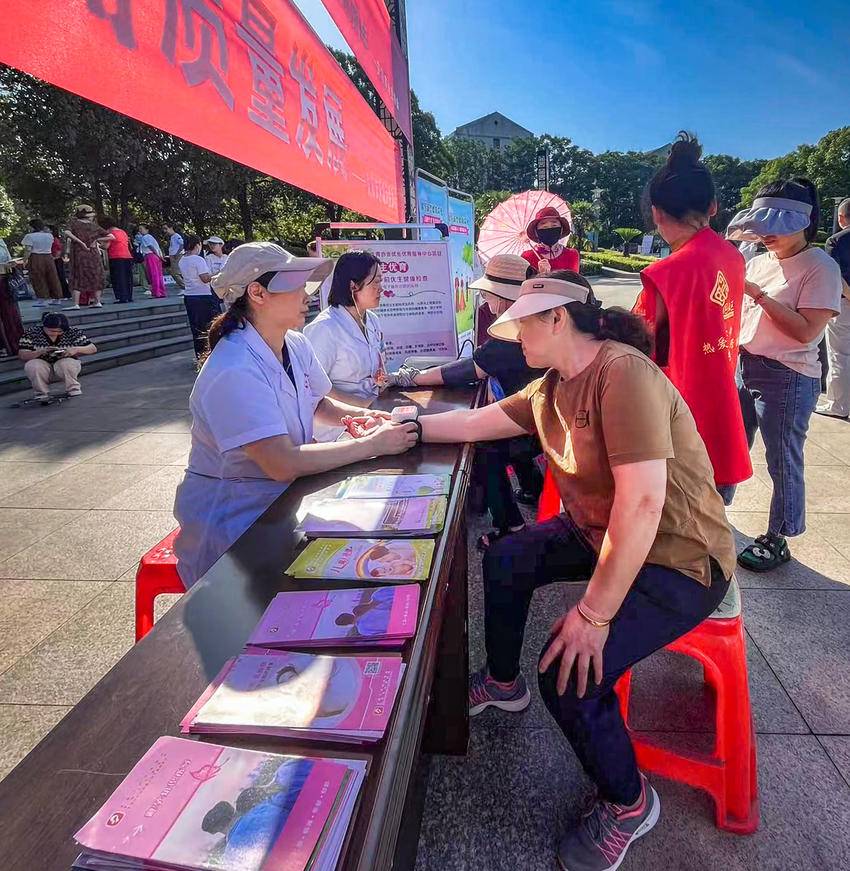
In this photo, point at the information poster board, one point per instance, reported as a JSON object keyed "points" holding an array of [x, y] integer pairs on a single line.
{"points": [[417, 309], [432, 199], [462, 245], [646, 243]]}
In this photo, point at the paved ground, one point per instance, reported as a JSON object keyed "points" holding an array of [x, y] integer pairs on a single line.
{"points": [[86, 487]]}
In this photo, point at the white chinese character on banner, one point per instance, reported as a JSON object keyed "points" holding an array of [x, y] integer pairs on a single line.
{"points": [[308, 126], [256, 30], [201, 69], [336, 132]]}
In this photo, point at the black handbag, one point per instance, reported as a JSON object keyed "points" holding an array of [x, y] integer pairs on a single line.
{"points": [[19, 285]]}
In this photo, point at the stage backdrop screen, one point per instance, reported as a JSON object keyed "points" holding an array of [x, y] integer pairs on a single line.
{"points": [[249, 80]]}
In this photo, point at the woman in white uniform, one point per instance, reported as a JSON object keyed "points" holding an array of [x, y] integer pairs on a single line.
{"points": [[347, 335], [254, 404]]}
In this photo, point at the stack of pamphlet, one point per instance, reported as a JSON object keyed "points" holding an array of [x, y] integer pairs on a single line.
{"points": [[393, 486], [383, 616], [299, 695], [366, 559], [192, 806]]}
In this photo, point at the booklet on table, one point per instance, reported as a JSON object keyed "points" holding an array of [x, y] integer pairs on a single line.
{"points": [[194, 805], [339, 618], [393, 486], [299, 695], [367, 559], [420, 515]]}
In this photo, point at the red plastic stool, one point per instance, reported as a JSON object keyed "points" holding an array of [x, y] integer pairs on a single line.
{"points": [[729, 773], [550, 499], [157, 574]]}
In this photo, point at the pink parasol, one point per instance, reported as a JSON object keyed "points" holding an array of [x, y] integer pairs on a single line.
{"points": [[503, 230]]}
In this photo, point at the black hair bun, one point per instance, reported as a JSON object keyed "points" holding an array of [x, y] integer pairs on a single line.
{"points": [[685, 153]]}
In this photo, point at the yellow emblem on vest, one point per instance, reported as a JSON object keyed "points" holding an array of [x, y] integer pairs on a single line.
{"points": [[720, 295]]}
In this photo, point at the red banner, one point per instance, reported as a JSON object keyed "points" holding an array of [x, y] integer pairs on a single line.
{"points": [[247, 79], [366, 27]]}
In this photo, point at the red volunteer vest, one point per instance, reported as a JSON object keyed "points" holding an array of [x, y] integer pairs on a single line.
{"points": [[567, 259], [702, 285]]}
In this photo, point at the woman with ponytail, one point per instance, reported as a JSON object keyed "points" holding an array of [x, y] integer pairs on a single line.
{"points": [[642, 522], [254, 404], [792, 292], [692, 301]]}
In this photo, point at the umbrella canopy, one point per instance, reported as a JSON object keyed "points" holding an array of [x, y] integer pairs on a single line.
{"points": [[503, 230]]}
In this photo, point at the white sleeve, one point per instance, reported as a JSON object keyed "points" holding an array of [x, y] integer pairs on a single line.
{"points": [[241, 407], [320, 338], [320, 384]]}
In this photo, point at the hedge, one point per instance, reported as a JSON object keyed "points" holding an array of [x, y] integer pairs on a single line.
{"points": [[635, 263], [590, 267]]}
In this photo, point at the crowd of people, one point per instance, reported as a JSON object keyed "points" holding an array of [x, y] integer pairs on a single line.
{"points": [[643, 419]]}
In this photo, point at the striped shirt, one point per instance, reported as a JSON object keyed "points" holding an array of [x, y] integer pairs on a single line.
{"points": [[35, 338]]}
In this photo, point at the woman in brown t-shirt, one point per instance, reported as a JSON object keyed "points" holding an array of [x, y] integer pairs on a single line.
{"points": [[642, 522]]}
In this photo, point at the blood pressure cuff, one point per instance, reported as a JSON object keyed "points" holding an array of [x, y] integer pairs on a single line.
{"points": [[769, 216], [460, 373]]}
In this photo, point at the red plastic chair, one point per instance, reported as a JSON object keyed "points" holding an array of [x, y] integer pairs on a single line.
{"points": [[157, 574], [729, 773]]}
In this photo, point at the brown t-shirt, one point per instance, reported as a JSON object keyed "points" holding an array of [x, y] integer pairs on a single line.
{"points": [[622, 409]]}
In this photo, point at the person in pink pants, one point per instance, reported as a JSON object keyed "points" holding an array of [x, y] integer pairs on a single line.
{"points": [[152, 253]]}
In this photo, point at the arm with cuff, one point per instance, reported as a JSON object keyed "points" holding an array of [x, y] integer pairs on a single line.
{"points": [[456, 374]]}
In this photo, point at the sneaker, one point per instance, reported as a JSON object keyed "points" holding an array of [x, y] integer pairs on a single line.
{"points": [[96, 304], [484, 692], [71, 308], [75, 391], [600, 841], [826, 411], [766, 553]]}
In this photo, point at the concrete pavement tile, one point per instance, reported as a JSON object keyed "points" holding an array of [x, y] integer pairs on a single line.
{"points": [[838, 750], [55, 446], [67, 664], [828, 489], [834, 528], [21, 527], [86, 485], [816, 564], [17, 476], [816, 452], [837, 446], [803, 637], [669, 694], [154, 493], [154, 448], [752, 495], [22, 727], [100, 546], [31, 610]]}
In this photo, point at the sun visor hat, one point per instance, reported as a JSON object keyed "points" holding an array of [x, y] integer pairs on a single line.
{"points": [[252, 260], [536, 295], [769, 216], [503, 276]]}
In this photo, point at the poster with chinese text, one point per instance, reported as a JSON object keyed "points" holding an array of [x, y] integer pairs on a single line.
{"points": [[462, 247]]}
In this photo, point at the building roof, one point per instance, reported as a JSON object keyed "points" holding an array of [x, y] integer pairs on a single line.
{"points": [[493, 115]]}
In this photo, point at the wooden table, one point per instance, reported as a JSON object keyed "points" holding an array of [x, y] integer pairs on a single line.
{"points": [[72, 772]]}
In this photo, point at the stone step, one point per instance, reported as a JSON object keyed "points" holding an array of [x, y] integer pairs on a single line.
{"points": [[17, 380], [111, 341], [108, 312], [96, 329]]}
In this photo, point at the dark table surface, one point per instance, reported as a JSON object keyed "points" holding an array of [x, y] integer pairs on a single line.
{"points": [[71, 773]]}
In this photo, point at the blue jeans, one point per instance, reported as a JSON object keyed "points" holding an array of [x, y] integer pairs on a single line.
{"points": [[778, 402]]}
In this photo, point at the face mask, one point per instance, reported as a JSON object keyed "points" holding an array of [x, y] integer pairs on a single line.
{"points": [[550, 235]]}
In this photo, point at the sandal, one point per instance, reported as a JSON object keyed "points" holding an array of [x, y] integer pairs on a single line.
{"points": [[484, 541], [766, 553]]}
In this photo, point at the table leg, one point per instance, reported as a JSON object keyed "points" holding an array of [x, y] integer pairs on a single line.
{"points": [[447, 727]]}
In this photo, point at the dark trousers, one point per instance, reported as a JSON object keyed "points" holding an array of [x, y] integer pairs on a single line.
{"points": [[662, 605], [121, 279], [63, 277], [201, 310], [493, 458]]}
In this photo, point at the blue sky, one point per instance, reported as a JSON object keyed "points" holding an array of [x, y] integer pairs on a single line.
{"points": [[753, 78]]}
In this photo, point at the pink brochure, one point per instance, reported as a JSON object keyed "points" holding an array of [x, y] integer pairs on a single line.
{"points": [[286, 690], [199, 805], [347, 616]]}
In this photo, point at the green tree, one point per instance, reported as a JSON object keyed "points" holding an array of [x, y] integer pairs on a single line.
{"points": [[627, 234], [8, 213], [583, 222], [731, 175], [429, 148]]}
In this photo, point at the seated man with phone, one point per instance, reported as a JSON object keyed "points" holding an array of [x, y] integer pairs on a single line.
{"points": [[49, 352]]}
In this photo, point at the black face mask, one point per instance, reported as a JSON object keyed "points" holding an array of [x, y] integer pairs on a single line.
{"points": [[550, 235]]}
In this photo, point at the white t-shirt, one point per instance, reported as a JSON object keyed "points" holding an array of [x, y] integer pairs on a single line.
{"points": [[38, 243], [192, 266], [215, 262], [810, 279]]}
